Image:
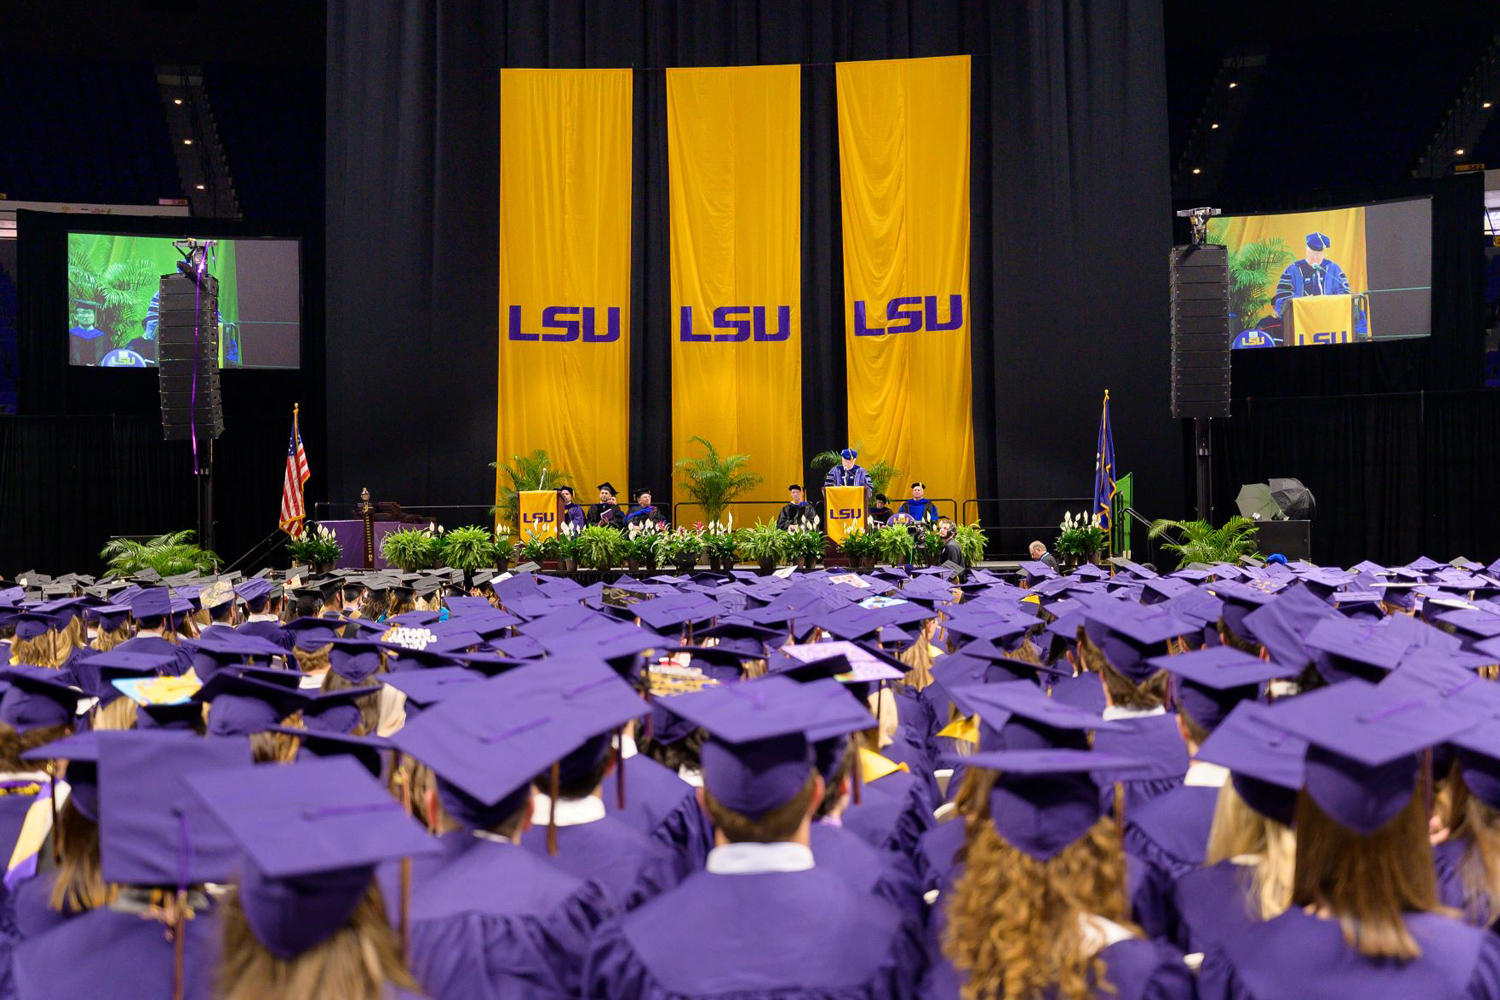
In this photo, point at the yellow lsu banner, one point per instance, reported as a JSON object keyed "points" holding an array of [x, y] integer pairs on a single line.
{"points": [[1321, 319], [904, 171], [846, 510], [538, 514], [734, 164], [565, 172]]}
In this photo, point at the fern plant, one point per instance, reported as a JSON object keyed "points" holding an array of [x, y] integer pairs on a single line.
{"points": [[881, 471], [972, 542], [894, 545], [1201, 542], [713, 481], [765, 543], [599, 547], [522, 472], [467, 548], [168, 554], [411, 549]]}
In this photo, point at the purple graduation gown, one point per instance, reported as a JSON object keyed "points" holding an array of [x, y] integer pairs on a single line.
{"points": [[1212, 905], [629, 866], [883, 874], [1301, 956], [761, 936], [892, 814], [937, 852], [490, 921], [1169, 834], [662, 805], [1154, 738], [270, 631], [155, 644], [1448, 862], [122, 956]]}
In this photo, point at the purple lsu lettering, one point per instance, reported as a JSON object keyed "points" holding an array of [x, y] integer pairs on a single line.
{"points": [[573, 322], [845, 513], [910, 314], [543, 517], [741, 323]]}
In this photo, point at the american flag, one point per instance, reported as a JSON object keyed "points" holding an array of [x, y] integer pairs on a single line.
{"points": [[297, 475]]}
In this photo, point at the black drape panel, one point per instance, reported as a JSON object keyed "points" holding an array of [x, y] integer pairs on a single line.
{"points": [[1070, 223]]}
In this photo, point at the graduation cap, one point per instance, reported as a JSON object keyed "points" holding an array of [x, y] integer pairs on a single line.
{"points": [[107, 617], [255, 590], [152, 831], [608, 487], [1363, 749], [368, 750], [81, 751], [37, 697], [1345, 648], [1265, 761], [1159, 589], [1037, 571], [151, 603], [849, 453], [241, 703], [1044, 800], [355, 659], [311, 835], [336, 712], [312, 633], [215, 650], [1018, 715], [1128, 634], [425, 688], [1282, 625], [1212, 681], [1239, 601], [32, 623]]}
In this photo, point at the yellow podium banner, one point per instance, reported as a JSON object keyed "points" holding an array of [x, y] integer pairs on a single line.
{"points": [[1322, 319], [564, 354], [538, 514], [846, 510], [904, 176], [734, 165]]}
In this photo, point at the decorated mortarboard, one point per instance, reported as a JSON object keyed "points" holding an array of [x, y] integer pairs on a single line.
{"points": [[1265, 762], [848, 662], [1212, 681], [95, 674], [1044, 800], [368, 750], [1344, 648], [336, 712], [758, 754], [1363, 749], [152, 830], [37, 697], [311, 834], [240, 705], [1018, 715], [1128, 634]]}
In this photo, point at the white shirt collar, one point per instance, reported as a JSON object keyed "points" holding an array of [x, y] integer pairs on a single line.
{"points": [[262, 618], [1113, 712], [570, 812], [691, 775], [1100, 932], [628, 748], [1202, 774], [312, 681], [493, 838], [757, 859]]}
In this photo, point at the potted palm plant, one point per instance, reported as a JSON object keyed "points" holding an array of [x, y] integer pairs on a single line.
{"points": [[712, 481], [169, 555], [764, 544], [1201, 542], [522, 472]]}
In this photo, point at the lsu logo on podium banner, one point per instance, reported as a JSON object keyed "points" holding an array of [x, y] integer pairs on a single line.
{"points": [[538, 514], [1310, 337], [910, 314], [570, 323], [845, 513], [736, 324]]}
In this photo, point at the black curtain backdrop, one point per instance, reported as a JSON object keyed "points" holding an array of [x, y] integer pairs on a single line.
{"points": [[1071, 223]]}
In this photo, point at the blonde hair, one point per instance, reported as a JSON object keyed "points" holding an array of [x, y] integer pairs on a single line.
{"points": [[118, 714], [917, 658], [368, 704], [1479, 824], [1239, 831], [80, 884], [1123, 692], [312, 660], [107, 639], [1016, 925], [358, 962], [50, 649]]}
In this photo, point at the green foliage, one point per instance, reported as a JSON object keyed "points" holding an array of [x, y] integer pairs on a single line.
{"points": [[317, 545], [536, 548], [894, 544], [168, 554], [721, 541], [1201, 542], [568, 546], [524, 472], [643, 541], [764, 542], [468, 548], [411, 549], [972, 541], [120, 290], [931, 543], [712, 481], [1253, 271], [880, 471], [1080, 536], [683, 546], [806, 543], [858, 544], [600, 547]]}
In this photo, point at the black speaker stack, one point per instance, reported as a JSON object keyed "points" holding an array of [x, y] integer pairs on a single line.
{"points": [[1200, 330], [187, 357]]}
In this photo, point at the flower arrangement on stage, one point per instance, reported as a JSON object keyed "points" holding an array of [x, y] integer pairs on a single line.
{"points": [[713, 480], [765, 544], [599, 547], [721, 542], [536, 548], [411, 549], [1201, 542], [168, 555], [568, 546], [859, 546], [805, 541], [683, 547], [643, 543], [317, 548], [1081, 537]]}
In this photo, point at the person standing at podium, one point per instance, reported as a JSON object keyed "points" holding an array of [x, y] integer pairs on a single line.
{"points": [[849, 473], [1314, 274]]}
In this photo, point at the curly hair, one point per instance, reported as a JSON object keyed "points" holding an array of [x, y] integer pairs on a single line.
{"points": [[50, 649], [1149, 693], [1016, 924]]}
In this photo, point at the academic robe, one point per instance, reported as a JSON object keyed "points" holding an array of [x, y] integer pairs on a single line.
{"points": [[1148, 737], [574, 514], [122, 956], [937, 852], [856, 476], [662, 805], [1448, 864], [608, 514], [1213, 904], [628, 866], [881, 514], [872, 872], [217, 630], [1302, 956], [794, 935], [182, 660], [87, 347], [491, 921], [1170, 836], [271, 631], [919, 510], [1301, 278], [892, 814], [794, 513], [648, 513]]}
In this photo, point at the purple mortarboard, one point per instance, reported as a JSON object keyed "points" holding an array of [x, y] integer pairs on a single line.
{"points": [[354, 659], [253, 591], [1018, 715], [240, 705], [1424, 565], [1489, 648], [1036, 571], [1447, 684], [1129, 633], [154, 602], [1282, 625], [31, 623], [1323, 581], [311, 834], [487, 745], [1044, 800], [1265, 761], [1239, 601], [311, 633], [1398, 593], [1088, 571], [1158, 589], [1364, 743], [94, 673], [1479, 761], [36, 697], [81, 751], [1345, 648], [108, 616], [152, 831], [675, 611], [460, 605], [994, 629], [758, 755], [368, 750], [1472, 625], [215, 650], [488, 664], [1212, 681], [1361, 605], [336, 712], [1134, 569], [425, 688]]}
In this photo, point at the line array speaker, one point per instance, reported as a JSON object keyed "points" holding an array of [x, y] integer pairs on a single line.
{"points": [[1200, 331], [187, 357]]}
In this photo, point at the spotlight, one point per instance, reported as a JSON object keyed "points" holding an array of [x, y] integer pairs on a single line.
{"points": [[1197, 171], [187, 142], [176, 100], [1214, 125], [1233, 85], [1458, 152], [198, 186], [1485, 104]]}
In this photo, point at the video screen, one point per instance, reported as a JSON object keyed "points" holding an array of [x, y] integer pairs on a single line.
{"points": [[1339, 276], [113, 300]]}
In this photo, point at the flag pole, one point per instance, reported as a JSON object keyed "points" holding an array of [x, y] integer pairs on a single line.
{"points": [[1109, 533]]}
